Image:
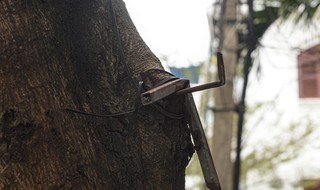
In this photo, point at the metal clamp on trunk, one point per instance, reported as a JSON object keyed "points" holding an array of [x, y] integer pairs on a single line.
{"points": [[162, 91], [180, 87]]}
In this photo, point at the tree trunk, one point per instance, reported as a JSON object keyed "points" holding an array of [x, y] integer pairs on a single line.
{"points": [[223, 97], [57, 57]]}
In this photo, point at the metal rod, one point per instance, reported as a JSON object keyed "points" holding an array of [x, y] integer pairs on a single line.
{"points": [[159, 92], [201, 145], [220, 82], [178, 86]]}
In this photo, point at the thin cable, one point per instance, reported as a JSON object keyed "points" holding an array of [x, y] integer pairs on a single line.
{"points": [[119, 44], [99, 115], [166, 113]]}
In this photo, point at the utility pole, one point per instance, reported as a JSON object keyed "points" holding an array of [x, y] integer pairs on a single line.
{"points": [[224, 39]]}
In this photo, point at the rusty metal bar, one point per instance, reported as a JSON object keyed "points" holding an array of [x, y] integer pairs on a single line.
{"points": [[163, 91], [192, 118], [182, 87], [220, 82], [178, 86], [201, 145]]}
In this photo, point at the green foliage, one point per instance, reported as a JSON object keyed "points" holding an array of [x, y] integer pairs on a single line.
{"points": [[308, 8], [264, 159], [269, 11], [276, 182], [263, 19]]}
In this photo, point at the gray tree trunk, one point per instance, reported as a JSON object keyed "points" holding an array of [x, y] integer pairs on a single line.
{"points": [[57, 55]]}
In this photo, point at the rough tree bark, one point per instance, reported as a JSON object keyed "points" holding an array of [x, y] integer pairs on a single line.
{"points": [[56, 55]]}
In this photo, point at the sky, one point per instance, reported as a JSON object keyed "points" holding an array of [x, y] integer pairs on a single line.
{"points": [[174, 28]]}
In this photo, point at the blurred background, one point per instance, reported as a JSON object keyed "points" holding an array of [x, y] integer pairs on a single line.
{"points": [[263, 125]]}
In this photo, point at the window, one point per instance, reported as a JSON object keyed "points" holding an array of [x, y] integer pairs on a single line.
{"points": [[309, 73]]}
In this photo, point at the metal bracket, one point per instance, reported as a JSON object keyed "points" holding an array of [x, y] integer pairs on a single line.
{"points": [[200, 141], [163, 91], [178, 86], [220, 82]]}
